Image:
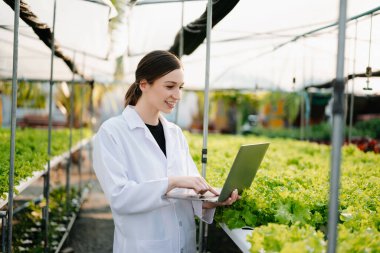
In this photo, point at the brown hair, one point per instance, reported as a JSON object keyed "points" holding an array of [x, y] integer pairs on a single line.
{"points": [[151, 67]]}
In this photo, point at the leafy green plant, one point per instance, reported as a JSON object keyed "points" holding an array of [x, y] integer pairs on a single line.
{"points": [[285, 239], [31, 152], [322, 131], [290, 192], [369, 128], [28, 224]]}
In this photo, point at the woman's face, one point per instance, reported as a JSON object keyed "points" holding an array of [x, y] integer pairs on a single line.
{"points": [[165, 92]]}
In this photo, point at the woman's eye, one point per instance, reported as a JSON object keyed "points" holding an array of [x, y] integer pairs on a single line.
{"points": [[180, 87]]}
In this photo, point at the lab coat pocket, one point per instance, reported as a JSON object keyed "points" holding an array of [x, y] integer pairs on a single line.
{"points": [[154, 246]]}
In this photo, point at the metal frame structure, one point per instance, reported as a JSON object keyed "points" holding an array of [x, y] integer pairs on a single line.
{"points": [[337, 133], [181, 44], [68, 167], [337, 136], [204, 234], [8, 215], [142, 2], [47, 176], [13, 124], [3, 216], [353, 85], [37, 175]]}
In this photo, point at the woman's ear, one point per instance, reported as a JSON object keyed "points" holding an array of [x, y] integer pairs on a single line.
{"points": [[143, 84]]}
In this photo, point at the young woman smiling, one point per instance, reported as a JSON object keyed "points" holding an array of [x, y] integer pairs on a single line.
{"points": [[139, 156]]}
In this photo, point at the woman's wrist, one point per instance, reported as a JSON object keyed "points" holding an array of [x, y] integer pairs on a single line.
{"points": [[171, 184], [208, 205]]}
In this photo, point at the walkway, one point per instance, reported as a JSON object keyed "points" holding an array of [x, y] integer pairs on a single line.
{"points": [[93, 229]]}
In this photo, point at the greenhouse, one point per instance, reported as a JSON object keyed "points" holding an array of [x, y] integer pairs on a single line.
{"points": [[120, 121]]}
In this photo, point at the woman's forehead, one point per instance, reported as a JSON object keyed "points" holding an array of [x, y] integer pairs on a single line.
{"points": [[175, 76]]}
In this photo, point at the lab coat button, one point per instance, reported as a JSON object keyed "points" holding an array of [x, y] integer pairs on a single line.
{"points": [[182, 250], [180, 223]]}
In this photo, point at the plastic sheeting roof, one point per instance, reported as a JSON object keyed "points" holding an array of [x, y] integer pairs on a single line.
{"points": [[243, 40], [241, 49], [82, 30]]}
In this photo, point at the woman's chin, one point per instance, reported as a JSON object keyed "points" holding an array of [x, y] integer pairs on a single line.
{"points": [[167, 110]]}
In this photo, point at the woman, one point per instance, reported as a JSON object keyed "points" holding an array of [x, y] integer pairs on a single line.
{"points": [[139, 156]]}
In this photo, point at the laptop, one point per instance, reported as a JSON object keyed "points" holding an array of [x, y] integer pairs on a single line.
{"points": [[241, 175]]}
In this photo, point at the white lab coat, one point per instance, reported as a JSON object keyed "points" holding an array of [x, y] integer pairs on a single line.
{"points": [[133, 173]]}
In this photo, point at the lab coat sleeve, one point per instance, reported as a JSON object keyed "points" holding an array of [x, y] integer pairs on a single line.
{"points": [[206, 215], [125, 196]]}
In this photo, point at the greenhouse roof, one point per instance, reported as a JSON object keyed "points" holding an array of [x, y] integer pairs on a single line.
{"points": [[82, 38], [258, 44], [242, 49]]}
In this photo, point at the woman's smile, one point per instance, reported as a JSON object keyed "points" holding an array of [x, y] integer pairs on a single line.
{"points": [[170, 104]]}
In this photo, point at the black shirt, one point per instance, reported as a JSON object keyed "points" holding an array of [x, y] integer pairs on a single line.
{"points": [[158, 134]]}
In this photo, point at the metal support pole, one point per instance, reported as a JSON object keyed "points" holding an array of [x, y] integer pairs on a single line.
{"points": [[47, 175], [81, 138], [302, 116], [91, 127], [69, 162], [303, 128], [307, 115], [351, 110], [81, 131], [337, 132], [13, 123], [353, 86], [202, 245], [180, 54], [45, 210], [3, 216], [181, 41], [303, 100]]}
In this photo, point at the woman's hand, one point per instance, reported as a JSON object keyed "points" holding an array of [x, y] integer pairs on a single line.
{"points": [[234, 196], [198, 184]]}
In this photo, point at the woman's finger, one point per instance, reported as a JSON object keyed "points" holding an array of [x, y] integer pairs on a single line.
{"points": [[202, 183], [229, 201], [233, 198], [212, 190], [203, 192]]}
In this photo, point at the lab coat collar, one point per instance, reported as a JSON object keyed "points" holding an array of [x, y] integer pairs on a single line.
{"points": [[132, 117], [134, 120]]}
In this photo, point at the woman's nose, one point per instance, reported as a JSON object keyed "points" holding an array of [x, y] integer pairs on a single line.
{"points": [[177, 94]]}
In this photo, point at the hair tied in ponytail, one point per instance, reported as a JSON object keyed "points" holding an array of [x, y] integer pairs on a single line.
{"points": [[151, 67], [136, 87]]}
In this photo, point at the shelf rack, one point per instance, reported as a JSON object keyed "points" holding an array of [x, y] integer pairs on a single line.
{"points": [[238, 236]]}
